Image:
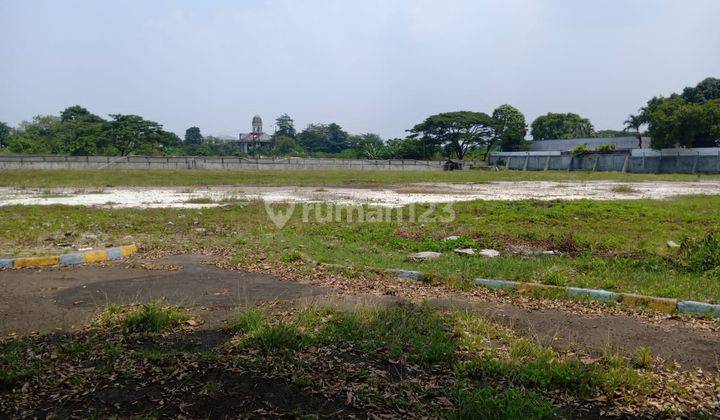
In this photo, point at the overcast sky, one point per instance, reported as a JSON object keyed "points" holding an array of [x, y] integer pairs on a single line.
{"points": [[370, 65]]}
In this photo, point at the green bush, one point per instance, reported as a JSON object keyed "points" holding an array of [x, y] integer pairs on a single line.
{"points": [[580, 151], [700, 255]]}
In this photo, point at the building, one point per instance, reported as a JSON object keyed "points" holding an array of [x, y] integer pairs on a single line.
{"points": [[567, 145], [248, 142]]}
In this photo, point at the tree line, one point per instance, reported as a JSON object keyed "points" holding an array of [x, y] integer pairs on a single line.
{"points": [[687, 119]]}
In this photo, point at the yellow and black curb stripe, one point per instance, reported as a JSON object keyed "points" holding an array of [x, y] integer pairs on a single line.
{"points": [[75, 258]]}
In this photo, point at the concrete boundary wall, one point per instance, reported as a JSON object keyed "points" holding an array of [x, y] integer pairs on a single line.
{"points": [[214, 162], [659, 162]]}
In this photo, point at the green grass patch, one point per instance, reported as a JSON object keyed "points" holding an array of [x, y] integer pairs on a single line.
{"points": [[491, 403], [616, 245], [417, 334], [148, 318], [14, 368]]}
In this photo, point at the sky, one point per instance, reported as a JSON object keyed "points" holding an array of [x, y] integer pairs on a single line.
{"points": [[377, 66]]}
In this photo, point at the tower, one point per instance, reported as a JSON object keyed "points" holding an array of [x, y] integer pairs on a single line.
{"points": [[257, 125]]}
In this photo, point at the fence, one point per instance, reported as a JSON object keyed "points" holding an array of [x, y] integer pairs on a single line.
{"points": [[640, 161], [201, 162]]}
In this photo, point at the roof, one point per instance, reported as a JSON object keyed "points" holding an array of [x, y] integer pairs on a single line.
{"points": [[257, 119], [564, 145]]}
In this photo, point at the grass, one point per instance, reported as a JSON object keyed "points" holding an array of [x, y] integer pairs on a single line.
{"points": [[148, 318], [200, 200], [478, 351], [197, 177], [614, 245], [404, 359], [417, 334], [491, 403], [624, 189], [14, 370]]}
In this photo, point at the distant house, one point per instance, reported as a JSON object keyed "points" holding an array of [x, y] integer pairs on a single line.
{"points": [[566, 145], [249, 141]]}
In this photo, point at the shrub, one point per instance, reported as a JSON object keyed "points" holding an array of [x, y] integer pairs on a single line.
{"points": [[643, 357], [700, 255], [580, 151]]}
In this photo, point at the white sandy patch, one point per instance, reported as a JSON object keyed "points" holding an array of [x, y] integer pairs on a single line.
{"points": [[391, 196]]}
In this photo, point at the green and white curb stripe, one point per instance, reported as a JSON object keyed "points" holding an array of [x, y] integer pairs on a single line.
{"points": [[406, 274], [659, 304], [76, 258], [666, 305]]}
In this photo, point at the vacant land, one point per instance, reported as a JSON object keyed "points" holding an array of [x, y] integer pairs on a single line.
{"points": [[614, 245], [400, 360], [438, 358], [339, 177]]}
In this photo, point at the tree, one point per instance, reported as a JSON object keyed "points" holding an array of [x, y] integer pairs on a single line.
{"points": [[368, 146], [457, 131], [409, 148], [5, 131], [510, 127], [635, 122], [193, 137], [673, 122], [134, 134], [38, 136], [80, 132], [609, 133], [330, 138], [561, 126], [284, 145], [285, 126], [706, 90], [73, 113]]}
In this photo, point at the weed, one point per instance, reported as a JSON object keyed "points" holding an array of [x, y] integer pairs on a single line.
{"points": [[292, 256], [212, 387], [554, 276], [74, 347], [199, 200], [700, 255], [14, 369], [248, 321], [490, 403], [623, 189], [148, 318], [643, 358]]}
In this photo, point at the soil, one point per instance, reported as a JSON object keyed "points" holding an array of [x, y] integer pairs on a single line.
{"points": [[64, 299], [390, 196]]}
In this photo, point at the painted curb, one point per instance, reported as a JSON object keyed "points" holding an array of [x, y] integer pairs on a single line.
{"points": [[698, 308], [495, 284], [596, 294], [75, 258], [407, 274], [665, 305]]}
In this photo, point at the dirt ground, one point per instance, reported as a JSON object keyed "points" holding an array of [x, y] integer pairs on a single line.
{"points": [[64, 299], [392, 195]]}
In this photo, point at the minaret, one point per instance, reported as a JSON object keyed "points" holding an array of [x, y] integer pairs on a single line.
{"points": [[257, 125]]}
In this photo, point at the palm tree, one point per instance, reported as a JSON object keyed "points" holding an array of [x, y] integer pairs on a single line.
{"points": [[634, 122]]}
